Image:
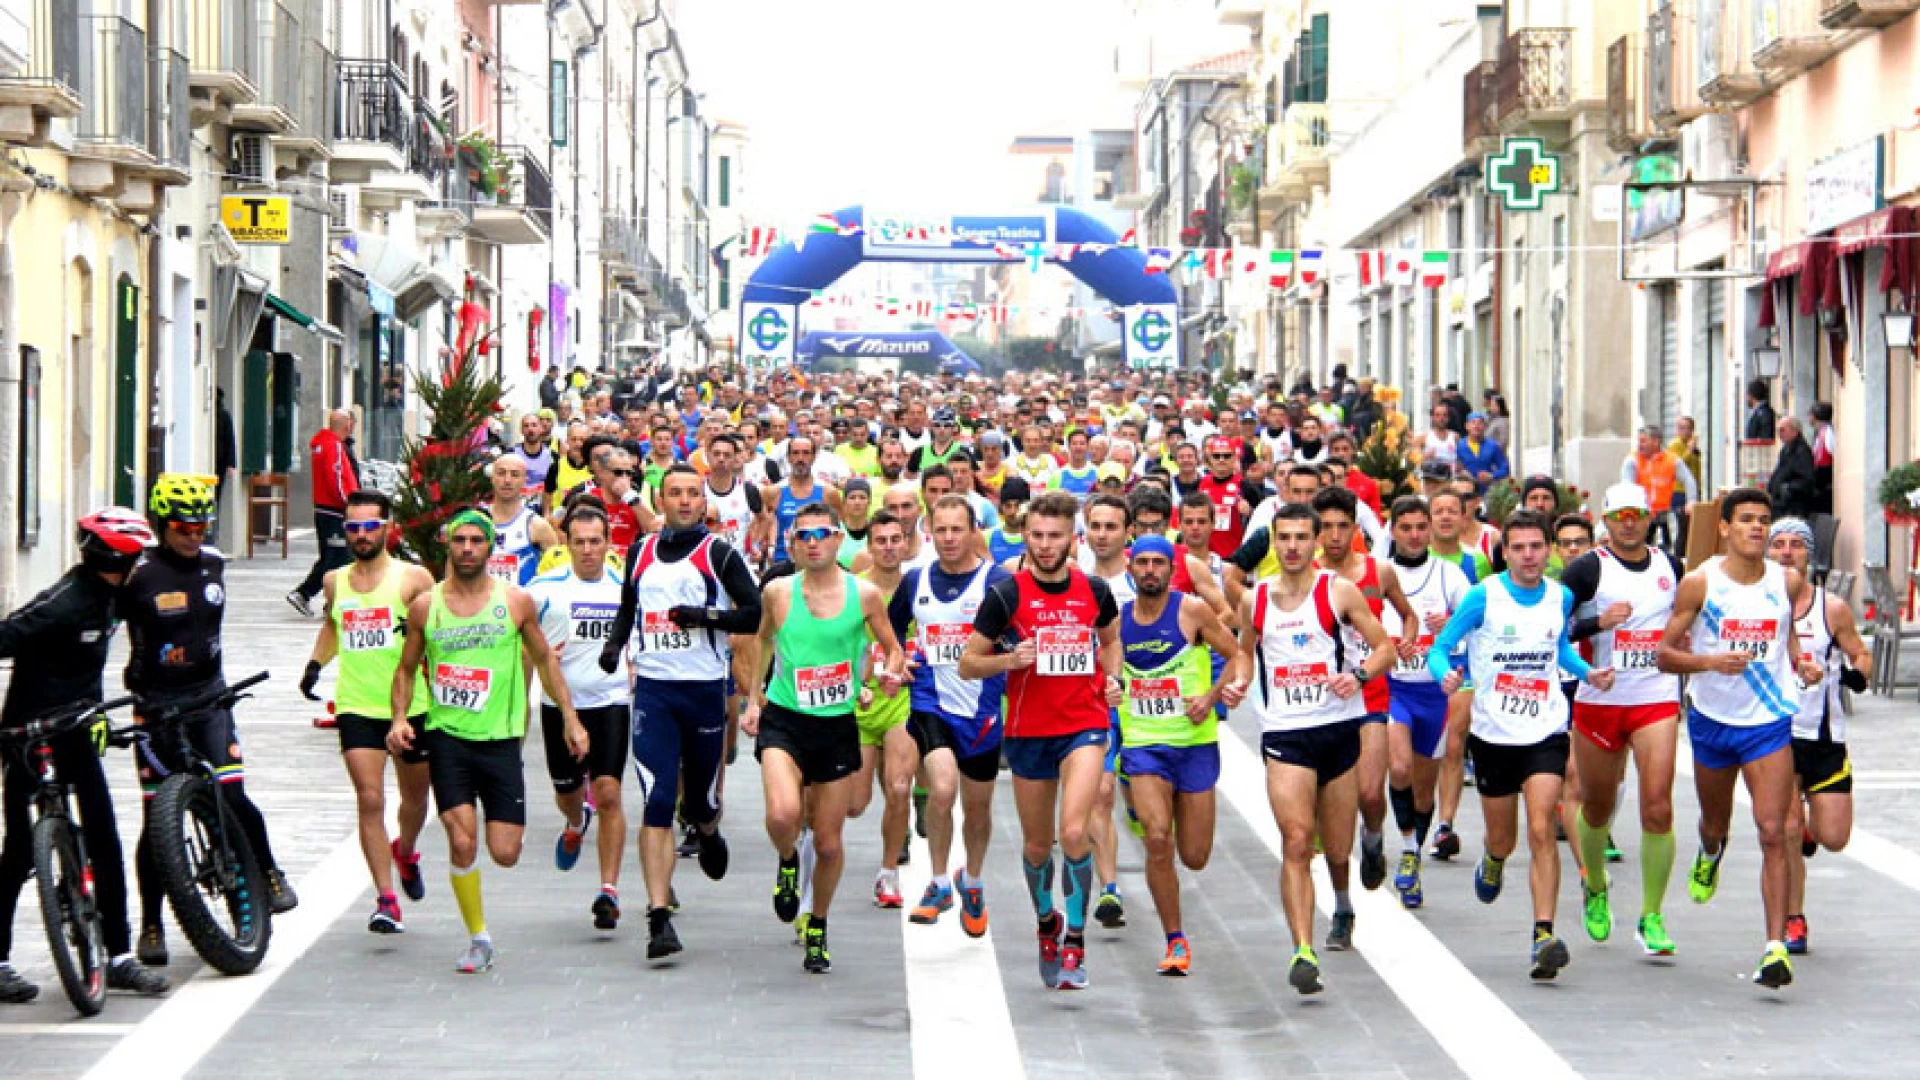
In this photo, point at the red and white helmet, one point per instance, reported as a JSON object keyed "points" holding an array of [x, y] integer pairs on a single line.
{"points": [[114, 534]]}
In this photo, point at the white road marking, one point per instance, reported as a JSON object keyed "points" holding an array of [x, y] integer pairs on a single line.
{"points": [[1484, 1037], [174, 1037], [956, 1007]]}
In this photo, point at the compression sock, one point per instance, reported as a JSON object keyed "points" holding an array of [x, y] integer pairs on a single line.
{"points": [[1593, 850], [1040, 885], [1656, 865], [1543, 926], [1401, 799], [1079, 886], [1342, 901], [466, 891], [1422, 824]]}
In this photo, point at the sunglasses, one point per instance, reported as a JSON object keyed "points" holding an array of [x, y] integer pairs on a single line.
{"points": [[1221, 457], [1625, 516], [190, 528], [816, 535], [375, 525], [628, 473]]}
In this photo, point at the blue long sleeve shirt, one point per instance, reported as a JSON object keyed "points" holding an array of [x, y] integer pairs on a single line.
{"points": [[1472, 612], [1490, 458]]}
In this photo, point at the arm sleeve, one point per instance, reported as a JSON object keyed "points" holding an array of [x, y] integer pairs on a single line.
{"points": [[753, 496], [1582, 579], [996, 611], [1570, 659], [40, 616], [900, 606], [1103, 596], [737, 579], [1251, 551], [1466, 619], [629, 600]]}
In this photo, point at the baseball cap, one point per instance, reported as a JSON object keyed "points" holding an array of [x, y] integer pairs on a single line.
{"points": [[1111, 471], [1163, 400], [1624, 497], [945, 415], [1219, 444], [1539, 483]]}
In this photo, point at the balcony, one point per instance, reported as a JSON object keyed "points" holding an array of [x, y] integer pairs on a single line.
{"points": [[313, 123], [385, 139], [450, 212], [1628, 122], [1727, 74], [113, 84], [279, 87], [1533, 79], [1788, 38], [170, 124], [49, 85], [1296, 154], [1864, 14], [1673, 87], [666, 298], [623, 251], [225, 36], [1480, 126], [1248, 13], [522, 210]]}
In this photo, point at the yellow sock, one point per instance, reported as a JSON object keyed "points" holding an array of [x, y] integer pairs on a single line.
{"points": [[466, 891]]}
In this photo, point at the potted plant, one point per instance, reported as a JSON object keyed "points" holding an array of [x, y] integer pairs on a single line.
{"points": [[1900, 494], [489, 169]]}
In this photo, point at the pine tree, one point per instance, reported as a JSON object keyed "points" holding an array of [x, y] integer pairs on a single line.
{"points": [[446, 471]]}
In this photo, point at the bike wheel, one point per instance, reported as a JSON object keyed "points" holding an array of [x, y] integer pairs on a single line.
{"points": [[73, 922], [212, 878]]}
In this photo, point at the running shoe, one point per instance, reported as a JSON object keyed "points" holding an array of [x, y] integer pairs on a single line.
{"points": [[15, 989], [1049, 931], [662, 942], [1487, 877], [280, 895], [1414, 897], [936, 899], [886, 891], [477, 958], [1652, 935], [1598, 914], [300, 603], [1340, 931], [127, 973], [1304, 973], [1108, 911], [816, 961], [1549, 955], [713, 853], [1614, 854], [1373, 863], [1446, 843], [606, 910], [800, 922], [689, 844], [412, 881], [1704, 879], [1179, 958], [786, 888], [1775, 970], [386, 917], [153, 945], [1073, 968], [973, 909], [1407, 874], [1797, 935], [566, 850]]}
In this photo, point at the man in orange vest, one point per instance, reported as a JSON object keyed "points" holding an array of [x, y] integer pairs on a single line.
{"points": [[1659, 473]]}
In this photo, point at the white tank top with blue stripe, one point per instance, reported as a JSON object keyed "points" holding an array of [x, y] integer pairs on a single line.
{"points": [[1752, 619]]}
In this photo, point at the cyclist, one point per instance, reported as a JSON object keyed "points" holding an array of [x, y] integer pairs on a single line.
{"points": [[61, 636], [366, 620], [173, 603]]}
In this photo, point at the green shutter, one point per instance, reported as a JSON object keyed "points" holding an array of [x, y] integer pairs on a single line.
{"points": [[726, 183]]}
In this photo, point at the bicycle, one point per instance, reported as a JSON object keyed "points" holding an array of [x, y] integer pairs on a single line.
{"points": [[60, 865], [211, 875]]}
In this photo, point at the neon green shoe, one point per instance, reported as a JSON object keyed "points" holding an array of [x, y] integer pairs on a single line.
{"points": [[1304, 973], [1775, 970], [1652, 935], [1704, 879], [1599, 914]]}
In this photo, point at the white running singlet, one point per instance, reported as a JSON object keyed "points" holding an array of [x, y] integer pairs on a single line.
{"points": [[1755, 620]]}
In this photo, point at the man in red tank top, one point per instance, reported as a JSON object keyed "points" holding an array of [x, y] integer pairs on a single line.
{"points": [[1337, 508], [1054, 633], [1225, 489]]}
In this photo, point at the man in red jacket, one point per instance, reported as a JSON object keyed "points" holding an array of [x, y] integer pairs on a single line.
{"points": [[334, 478]]}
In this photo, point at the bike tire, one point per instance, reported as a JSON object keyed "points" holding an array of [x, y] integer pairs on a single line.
{"points": [[186, 823], [72, 919]]}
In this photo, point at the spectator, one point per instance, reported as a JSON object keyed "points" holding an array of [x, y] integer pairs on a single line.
{"points": [[1686, 447], [1791, 485], [1457, 408], [1822, 416], [550, 388], [1669, 485], [1364, 412], [1483, 459], [1440, 443], [1760, 420], [226, 456], [1499, 420], [334, 478]]}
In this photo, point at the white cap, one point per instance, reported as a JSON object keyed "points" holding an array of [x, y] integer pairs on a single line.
{"points": [[1625, 497]]}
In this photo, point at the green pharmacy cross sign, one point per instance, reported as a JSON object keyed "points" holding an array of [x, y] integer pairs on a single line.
{"points": [[1523, 173]]}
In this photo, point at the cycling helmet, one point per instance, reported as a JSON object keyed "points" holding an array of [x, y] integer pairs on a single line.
{"points": [[180, 498], [113, 538]]}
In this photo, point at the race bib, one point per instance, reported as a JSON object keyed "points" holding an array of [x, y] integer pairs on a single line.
{"points": [[593, 622], [825, 687], [505, 566], [1302, 685], [366, 629], [1521, 695], [1636, 650], [1156, 698], [943, 642], [1064, 650], [465, 688], [1417, 661], [1223, 515], [1752, 637], [659, 634]]}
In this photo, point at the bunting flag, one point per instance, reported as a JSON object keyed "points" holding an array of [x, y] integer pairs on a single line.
{"points": [[1433, 269], [1247, 261], [1036, 256], [960, 312], [818, 301], [1400, 268], [1279, 269], [1372, 268], [760, 240], [828, 225], [1218, 262], [1309, 263], [1064, 253], [923, 309], [1130, 238], [893, 306], [1159, 260]]}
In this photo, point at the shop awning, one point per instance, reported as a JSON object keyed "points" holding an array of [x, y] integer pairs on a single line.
{"points": [[1815, 264], [279, 307], [1893, 229]]}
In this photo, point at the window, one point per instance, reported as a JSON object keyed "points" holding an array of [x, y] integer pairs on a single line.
{"points": [[1559, 239], [726, 199], [726, 279], [1056, 183]]}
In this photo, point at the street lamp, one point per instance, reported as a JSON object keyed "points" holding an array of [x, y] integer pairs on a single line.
{"points": [[1766, 361], [1899, 328]]}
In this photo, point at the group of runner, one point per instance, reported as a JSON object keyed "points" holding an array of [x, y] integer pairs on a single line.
{"points": [[916, 586]]}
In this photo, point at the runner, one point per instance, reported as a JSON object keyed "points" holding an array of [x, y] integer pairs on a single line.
{"points": [[1035, 463], [886, 747], [1104, 556], [474, 632], [800, 490], [366, 605], [808, 741], [955, 722], [1732, 631], [685, 591], [1079, 476], [1004, 542], [521, 534], [1062, 659], [1293, 640], [1417, 710], [1514, 629], [735, 511], [1170, 748], [1623, 592], [1823, 814], [1447, 508]]}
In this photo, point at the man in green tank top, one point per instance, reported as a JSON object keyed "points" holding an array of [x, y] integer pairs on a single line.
{"points": [[814, 626], [366, 606], [471, 632]]}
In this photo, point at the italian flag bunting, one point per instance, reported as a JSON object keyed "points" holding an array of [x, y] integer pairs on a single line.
{"points": [[1309, 266], [1433, 269], [1279, 269]]}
